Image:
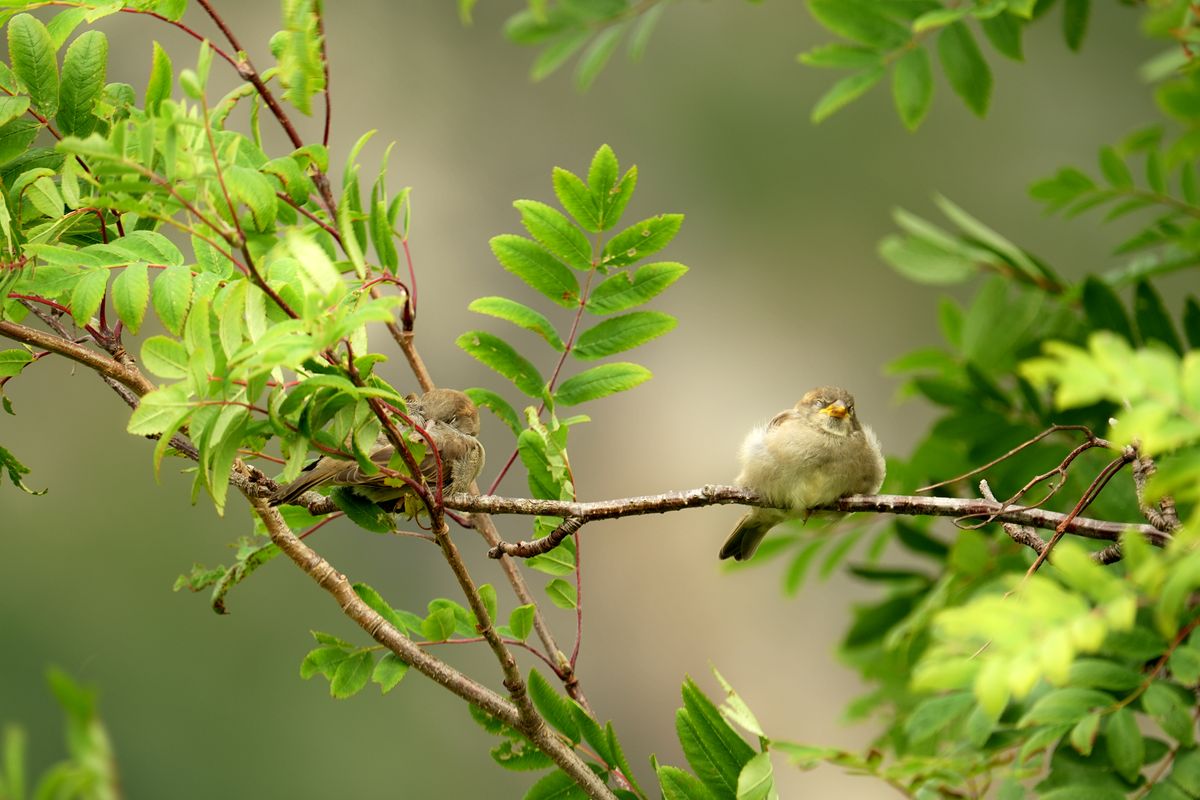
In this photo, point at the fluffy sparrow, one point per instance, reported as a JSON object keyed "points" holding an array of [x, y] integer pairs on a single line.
{"points": [[804, 457], [451, 420]]}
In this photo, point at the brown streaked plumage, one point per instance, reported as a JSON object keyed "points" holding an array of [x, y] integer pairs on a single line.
{"points": [[805, 456], [451, 420]]}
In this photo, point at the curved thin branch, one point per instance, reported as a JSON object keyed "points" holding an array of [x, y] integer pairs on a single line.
{"points": [[336, 584], [880, 504]]}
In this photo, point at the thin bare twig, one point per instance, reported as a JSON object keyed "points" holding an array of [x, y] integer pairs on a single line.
{"points": [[1052, 429], [1091, 493]]}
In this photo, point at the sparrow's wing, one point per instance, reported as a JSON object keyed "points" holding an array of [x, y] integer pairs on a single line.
{"points": [[782, 417], [458, 452]]}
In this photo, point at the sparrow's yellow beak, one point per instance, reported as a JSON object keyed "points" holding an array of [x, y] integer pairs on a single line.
{"points": [[837, 410]]}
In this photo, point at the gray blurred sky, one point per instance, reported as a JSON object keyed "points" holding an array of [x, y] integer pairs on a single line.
{"points": [[785, 292]]}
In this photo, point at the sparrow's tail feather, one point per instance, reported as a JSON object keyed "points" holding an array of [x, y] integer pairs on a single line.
{"points": [[307, 480], [750, 531]]}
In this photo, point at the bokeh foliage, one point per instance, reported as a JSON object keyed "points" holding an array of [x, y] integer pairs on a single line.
{"points": [[254, 283]]}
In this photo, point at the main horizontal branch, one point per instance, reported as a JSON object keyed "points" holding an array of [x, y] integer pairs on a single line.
{"points": [[909, 505]]}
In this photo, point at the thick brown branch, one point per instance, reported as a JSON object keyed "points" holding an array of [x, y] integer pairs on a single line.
{"points": [[130, 378]]}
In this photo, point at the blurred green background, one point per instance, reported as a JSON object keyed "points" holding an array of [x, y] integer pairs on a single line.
{"points": [[786, 292]]}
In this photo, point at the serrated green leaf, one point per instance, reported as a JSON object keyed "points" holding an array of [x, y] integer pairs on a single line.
{"points": [[623, 290], [323, 660], [557, 785], [160, 410], [251, 187], [494, 352], [389, 671], [1075, 20], [711, 746], [601, 381], [1171, 712], [13, 361], [1083, 735], [520, 621], [554, 707], [1065, 706], [439, 626], [924, 261], [556, 53], [15, 139], [83, 71], [912, 87], [520, 315], [32, 53], [131, 294], [756, 781], [361, 511], [351, 675], [597, 55], [935, 714], [618, 334], [642, 239], [171, 296], [862, 21], [846, 91], [1126, 748], [165, 357], [485, 398], [87, 295], [1004, 32], [12, 107], [562, 594], [158, 87], [1115, 171], [965, 69], [530, 262], [679, 785], [556, 233], [380, 606], [577, 199]]}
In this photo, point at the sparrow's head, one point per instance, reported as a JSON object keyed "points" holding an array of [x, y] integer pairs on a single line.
{"points": [[829, 408], [449, 406]]}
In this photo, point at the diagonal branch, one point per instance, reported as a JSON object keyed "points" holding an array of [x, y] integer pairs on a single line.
{"points": [[128, 377], [336, 584]]}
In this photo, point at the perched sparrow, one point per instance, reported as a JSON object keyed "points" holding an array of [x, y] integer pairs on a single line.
{"points": [[451, 420], [804, 457]]}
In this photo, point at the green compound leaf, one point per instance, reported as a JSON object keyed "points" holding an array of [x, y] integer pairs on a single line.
{"points": [[494, 352], [628, 289], [32, 52], [968, 74], [618, 334], [912, 87], [846, 91], [131, 294], [520, 315], [601, 381], [530, 262], [83, 72], [556, 233], [642, 239], [171, 296]]}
